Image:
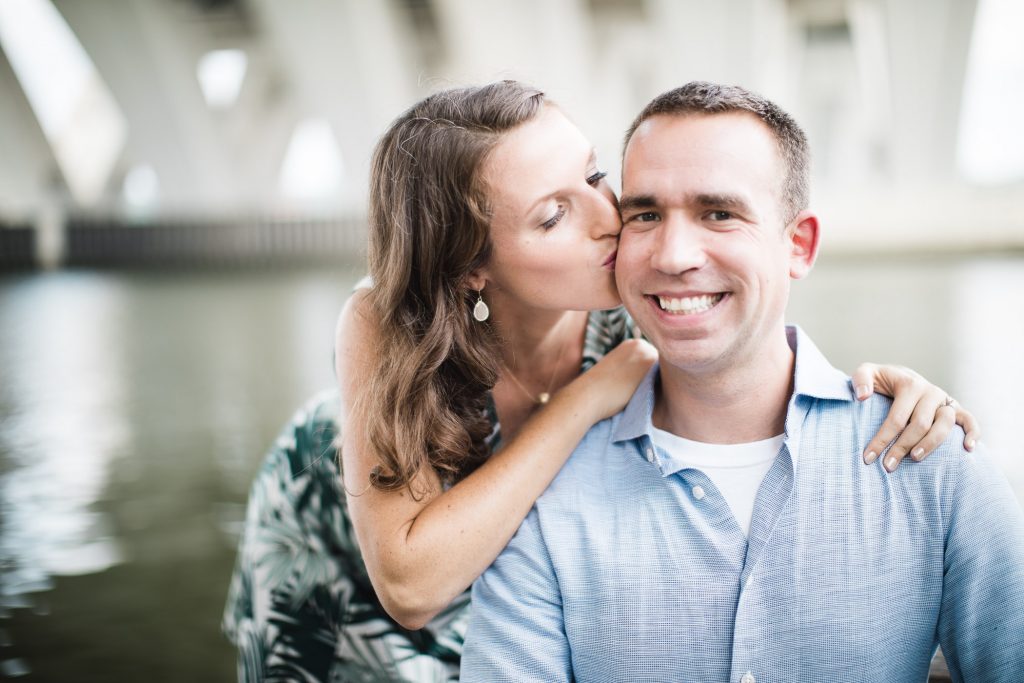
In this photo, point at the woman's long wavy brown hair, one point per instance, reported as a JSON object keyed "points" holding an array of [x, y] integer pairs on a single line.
{"points": [[426, 404]]}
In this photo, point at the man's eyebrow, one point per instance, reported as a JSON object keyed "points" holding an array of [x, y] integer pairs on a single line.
{"points": [[721, 201], [707, 200], [631, 202]]}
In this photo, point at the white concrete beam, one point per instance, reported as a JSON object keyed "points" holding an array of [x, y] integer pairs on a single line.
{"points": [[28, 168], [927, 84], [149, 66], [343, 61]]}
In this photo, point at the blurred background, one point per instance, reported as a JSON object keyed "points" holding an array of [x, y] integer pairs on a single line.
{"points": [[182, 190]]}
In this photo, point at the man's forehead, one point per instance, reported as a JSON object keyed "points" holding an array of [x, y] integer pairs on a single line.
{"points": [[676, 124], [672, 140]]}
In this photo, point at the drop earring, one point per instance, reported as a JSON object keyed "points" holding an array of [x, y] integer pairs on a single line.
{"points": [[480, 310]]}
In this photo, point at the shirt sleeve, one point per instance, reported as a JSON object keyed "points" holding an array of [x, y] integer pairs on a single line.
{"points": [[516, 631], [981, 622]]}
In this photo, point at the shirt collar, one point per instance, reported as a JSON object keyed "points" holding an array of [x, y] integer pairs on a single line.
{"points": [[636, 418], [813, 377]]}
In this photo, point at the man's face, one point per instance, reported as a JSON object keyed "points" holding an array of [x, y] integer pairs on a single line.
{"points": [[705, 256]]}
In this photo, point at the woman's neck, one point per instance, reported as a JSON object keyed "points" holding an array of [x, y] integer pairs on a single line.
{"points": [[533, 340], [541, 351]]}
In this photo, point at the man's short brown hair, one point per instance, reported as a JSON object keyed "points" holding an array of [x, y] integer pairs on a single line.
{"points": [[700, 97]]}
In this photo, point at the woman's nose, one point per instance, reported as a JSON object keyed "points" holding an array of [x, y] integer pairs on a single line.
{"points": [[605, 220]]}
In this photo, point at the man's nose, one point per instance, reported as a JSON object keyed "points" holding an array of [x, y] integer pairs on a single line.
{"points": [[679, 247]]}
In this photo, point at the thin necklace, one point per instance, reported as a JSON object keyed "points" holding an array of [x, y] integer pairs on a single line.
{"points": [[544, 396]]}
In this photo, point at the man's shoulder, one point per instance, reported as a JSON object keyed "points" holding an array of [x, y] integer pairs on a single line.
{"points": [[949, 467], [590, 464]]}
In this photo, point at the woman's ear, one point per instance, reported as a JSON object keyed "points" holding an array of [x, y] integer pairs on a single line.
{"points": [[804, 235], [477, 279]]}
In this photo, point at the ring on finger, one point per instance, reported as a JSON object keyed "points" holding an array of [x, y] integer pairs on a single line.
{"points": [[949, 402]]}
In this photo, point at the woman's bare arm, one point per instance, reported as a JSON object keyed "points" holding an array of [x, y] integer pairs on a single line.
{"points": [[421, 553]]}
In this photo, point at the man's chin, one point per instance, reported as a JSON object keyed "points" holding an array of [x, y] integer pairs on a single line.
{"points": [[698, 355]]}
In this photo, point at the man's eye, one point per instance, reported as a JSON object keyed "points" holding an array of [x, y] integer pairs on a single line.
{"points": [[720, 215], [646, 217]]}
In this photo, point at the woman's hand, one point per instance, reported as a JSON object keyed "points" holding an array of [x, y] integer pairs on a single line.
{"points": [[613, 379], [921, 414]]}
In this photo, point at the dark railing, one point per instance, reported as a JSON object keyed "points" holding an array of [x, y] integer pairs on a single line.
{"points": [[102, 241], [17, 247], [112, 241]]}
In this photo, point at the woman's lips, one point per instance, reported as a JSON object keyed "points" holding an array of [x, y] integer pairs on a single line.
{"points": [[609, 262]]}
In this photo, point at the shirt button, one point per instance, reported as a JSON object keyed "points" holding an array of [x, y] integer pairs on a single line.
{"points": [[698, 493], [747, 678], [650, 454]]}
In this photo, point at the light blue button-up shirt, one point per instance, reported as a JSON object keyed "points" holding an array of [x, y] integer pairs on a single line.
{"points": [[631, 566]]}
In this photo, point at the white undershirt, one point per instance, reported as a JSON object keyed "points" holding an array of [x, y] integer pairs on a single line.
{"points": [[737, 470]]}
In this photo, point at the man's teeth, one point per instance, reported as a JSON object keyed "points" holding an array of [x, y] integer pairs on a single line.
{"points": [[688, 305]]}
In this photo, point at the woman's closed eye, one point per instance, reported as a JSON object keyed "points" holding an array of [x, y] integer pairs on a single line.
{"points": [[553, 221], [592, 180]]}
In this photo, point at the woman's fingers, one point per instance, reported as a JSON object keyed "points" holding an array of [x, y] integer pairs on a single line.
{"points": [[900, 412], [939, 418], [927, 426], [970, 426], [864, 380], [919, 420], [614, 378]]}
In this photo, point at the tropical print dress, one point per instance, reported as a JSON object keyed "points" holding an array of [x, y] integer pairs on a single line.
{"points": [[301, 606]]}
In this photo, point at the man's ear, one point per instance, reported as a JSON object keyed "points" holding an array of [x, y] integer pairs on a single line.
{"points": [[803, 234]]}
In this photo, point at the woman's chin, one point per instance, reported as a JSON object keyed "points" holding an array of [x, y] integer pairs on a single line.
{"points": [[605, 300]]}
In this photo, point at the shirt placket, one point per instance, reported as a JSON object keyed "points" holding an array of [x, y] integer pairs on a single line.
{"points": [[749, 662]]}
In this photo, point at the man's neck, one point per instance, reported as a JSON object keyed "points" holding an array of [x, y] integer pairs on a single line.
{"points": [[743, 401]]}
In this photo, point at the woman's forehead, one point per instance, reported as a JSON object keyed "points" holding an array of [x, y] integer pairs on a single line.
{"points": [[537, 159]]}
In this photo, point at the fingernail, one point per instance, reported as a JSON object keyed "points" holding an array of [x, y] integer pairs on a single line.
{"points": [[890, 464], [869, 457], [970, 444], [917, 453], [862, 391]]}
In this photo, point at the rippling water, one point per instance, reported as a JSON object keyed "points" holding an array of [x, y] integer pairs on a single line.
{"points": [[135, 410], [135, 407]]}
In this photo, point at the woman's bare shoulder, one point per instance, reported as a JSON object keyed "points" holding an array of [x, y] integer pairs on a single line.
{"points": [[355, 337], [356, 318]]}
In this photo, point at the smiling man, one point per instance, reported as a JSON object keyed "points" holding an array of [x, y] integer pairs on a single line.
{"points": [[723, 527]]}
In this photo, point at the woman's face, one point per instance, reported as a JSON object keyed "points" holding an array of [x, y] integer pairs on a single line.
{"points": [[554, 220]]}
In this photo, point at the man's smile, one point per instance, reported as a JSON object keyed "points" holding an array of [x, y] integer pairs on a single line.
{"points": [[690, 304]]}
